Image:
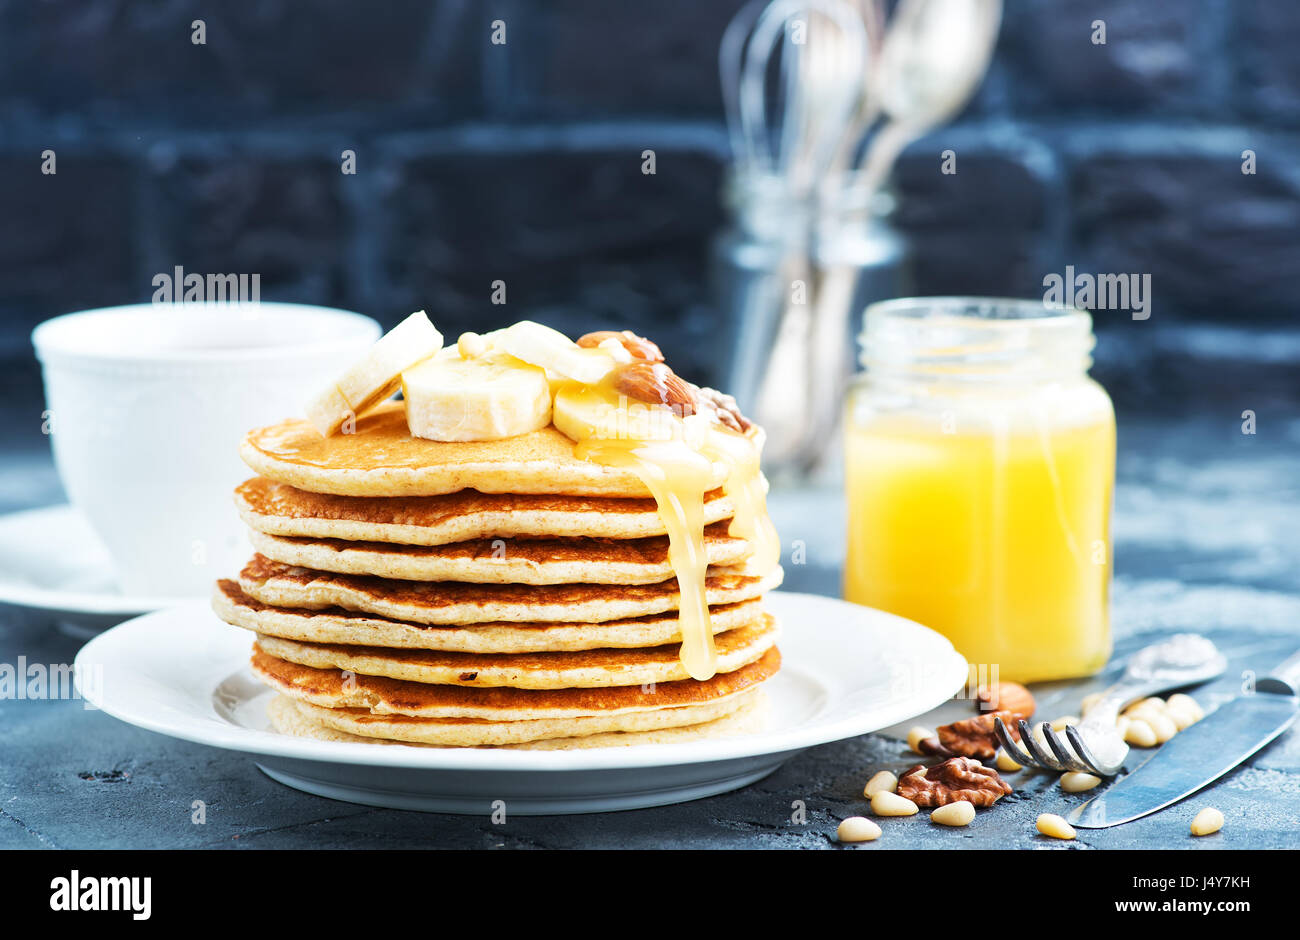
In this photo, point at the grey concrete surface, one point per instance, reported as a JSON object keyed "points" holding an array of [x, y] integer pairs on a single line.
{"points": [[1207, 535]]}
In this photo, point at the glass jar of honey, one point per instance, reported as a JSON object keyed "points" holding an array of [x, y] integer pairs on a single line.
{"points": [[980, 466]]}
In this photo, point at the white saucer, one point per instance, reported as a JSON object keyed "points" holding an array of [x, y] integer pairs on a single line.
{"points": [[51, 561], [847, 670]]}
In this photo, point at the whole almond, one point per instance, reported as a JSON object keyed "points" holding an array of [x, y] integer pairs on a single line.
{"points": [[638, 346], [655, 383], [1007, 697]]}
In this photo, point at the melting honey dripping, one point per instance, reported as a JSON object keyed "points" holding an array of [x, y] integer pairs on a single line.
{"points": [[679, 466], [678, 478], [747, 489]]}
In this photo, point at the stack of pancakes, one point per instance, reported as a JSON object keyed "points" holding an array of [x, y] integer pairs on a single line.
{"points": [[494, 593]]}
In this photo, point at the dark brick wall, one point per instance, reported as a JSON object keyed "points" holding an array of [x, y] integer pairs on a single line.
{"points": [[521, 162]]}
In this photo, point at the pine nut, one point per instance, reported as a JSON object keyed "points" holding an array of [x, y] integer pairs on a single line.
{"points": [[1140, 734], [1060, 723], [1207, 821], [1049, 824], [916, 735], [471, 345], [1184, 710], [1076, 782], [1144, 713], [1181, 717], [884, 803], [960, 813], [1179, 700], [1088, 701], [881, 781], [857, 829], [1121, 725], [1005, 763], [1145, 706], [1163, 726]]}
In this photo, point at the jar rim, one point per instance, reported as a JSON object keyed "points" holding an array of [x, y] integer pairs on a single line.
{"points": [[975, 337]]}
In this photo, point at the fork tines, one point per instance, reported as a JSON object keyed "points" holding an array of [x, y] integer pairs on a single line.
{"points": [[1058, 755]]}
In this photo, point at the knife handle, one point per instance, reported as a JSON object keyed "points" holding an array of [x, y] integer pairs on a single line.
{"points": [[1285, 679]]}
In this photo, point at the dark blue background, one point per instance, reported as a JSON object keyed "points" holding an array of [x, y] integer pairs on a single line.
{"points": [[522, 162]]}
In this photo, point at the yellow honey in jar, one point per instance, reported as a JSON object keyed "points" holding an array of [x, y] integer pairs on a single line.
{"points": [[980, 465]]}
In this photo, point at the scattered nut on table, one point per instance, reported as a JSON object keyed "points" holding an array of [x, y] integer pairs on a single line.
{"points": [[1049, 824], [1076, 782], [954, 780], [1184, 710], [881, 781], [857, 829], [1162, 725], [1006, 697], [924, 741], [915, 735], [961, 813], [1004, 762], [884, 803], [977, 737], [1181, 718], [1164, 719], [1207, 821], [1140, 734], [1181, 700]]}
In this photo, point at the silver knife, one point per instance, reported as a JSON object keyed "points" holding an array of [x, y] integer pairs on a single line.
{"points": [[1202, 753]]}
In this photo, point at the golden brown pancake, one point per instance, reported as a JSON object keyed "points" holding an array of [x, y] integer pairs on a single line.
{"points": [[333, 688], [568, 670], [382, 459], [278, 509], [454, 603], [467, 732], [502, 561], [336, 625], [747, 718]]}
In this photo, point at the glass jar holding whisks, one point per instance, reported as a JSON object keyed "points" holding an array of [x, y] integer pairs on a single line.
{"points": [[790, 276]]}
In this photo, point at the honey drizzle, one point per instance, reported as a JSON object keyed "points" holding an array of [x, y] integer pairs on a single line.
{"points": [[678, 478], [747, 489], [678, 467]]}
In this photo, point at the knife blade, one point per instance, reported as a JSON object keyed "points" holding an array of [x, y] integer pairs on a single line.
{"points": [[1200, 754]]}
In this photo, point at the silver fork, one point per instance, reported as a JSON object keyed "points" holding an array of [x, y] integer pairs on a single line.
{"points": [[1095, 746]]}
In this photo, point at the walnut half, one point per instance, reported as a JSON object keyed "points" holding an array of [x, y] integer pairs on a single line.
{"points": [[977, 737], [958, 778], [722, 408]]}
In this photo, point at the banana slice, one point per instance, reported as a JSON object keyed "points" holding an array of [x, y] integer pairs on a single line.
{"points": [[553, 351], [481, 399], [376, 377], [583, 413]]}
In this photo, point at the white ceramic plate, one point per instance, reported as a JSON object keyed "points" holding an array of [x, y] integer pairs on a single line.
{"points": [[51, 561], [847, 670]]}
